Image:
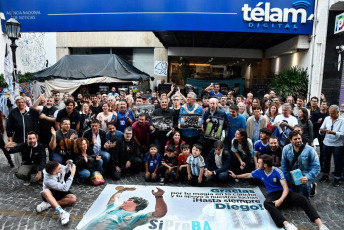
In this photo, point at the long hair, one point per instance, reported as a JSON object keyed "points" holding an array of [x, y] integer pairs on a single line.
{"points": [[244, 142], [269, 110], [305, 115], [77, 144]]}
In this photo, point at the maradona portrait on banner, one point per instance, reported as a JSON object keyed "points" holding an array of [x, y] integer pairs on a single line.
{"points": [[125, 216]]}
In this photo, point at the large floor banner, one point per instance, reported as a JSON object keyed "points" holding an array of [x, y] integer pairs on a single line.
{"points": [[188, 208]]}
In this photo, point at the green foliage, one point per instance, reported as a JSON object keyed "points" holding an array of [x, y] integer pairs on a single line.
{"points": [[3, 83], [27, 77], [292, 81], [185, 68]]}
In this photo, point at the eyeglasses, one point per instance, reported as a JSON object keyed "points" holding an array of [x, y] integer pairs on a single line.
{"points": [[332, 127]]}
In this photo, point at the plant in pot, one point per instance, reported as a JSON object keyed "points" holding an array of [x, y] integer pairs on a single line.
{"points": [[290, 82]]}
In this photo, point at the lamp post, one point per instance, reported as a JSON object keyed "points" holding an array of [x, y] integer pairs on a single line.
{"points": [[13, 33]]}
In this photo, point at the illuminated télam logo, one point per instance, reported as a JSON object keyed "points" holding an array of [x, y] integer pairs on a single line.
{"points": [[262, 15]]}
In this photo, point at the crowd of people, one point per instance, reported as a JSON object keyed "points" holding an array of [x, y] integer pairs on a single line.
{"points": [[109, 134]]}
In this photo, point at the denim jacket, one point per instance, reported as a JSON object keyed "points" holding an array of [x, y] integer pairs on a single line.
{"points": [[308, 162]]}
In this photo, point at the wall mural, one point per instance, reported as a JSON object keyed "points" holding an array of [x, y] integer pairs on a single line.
{"points": [[32, 54]]}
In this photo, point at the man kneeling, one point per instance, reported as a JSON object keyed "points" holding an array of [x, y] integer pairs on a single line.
{"points": [[56, 190], [279, 195]]}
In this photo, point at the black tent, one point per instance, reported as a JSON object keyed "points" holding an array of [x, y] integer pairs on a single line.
{"points": [[77, 67]]}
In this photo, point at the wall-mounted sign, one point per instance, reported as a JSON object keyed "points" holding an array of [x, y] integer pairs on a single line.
{"points": [[277, 16], [339, 24]]}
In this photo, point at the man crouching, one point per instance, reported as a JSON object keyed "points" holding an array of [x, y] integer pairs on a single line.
{"points": [[56, 190]]}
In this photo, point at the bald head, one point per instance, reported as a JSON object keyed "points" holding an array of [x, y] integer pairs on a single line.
{"points": [[212, 104]]}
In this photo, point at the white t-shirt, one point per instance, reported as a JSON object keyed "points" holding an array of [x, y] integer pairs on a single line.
{"points": [[280, 118]]}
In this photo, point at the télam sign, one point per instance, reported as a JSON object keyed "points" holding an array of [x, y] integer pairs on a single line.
{"points": [[273, 16]]}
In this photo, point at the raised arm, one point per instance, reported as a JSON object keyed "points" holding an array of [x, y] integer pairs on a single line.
{"points": [[36, 103], [160, 205]]}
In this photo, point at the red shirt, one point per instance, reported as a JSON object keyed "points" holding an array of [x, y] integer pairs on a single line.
{"points": [[182, 159], [141, 132]]}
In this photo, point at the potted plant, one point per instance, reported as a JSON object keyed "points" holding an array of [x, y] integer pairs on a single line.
{"points": [[290, 82]]}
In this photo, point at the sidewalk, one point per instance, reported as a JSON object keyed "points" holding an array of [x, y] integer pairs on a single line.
{"points": [[18, 202]]}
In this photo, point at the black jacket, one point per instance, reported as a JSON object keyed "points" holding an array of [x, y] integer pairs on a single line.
{"points": [[31, 155], [18, 125], [88, 135], [211, 165], [218, 113], [124, 151], [80, 161]]}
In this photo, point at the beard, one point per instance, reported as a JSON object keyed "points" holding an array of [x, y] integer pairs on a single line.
{"points": [[49, 106]]}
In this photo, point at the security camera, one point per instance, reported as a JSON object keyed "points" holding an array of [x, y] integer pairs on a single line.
{"points": [[340, 48]]}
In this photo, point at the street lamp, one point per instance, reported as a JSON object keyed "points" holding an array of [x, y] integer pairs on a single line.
{"points": [[13, 33]]}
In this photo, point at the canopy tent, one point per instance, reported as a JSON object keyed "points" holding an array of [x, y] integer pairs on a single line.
{"points": [[73, 71]]}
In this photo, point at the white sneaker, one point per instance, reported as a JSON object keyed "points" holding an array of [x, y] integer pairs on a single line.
{"points": [[64, 217], [290, 227], [43, 206], [323, 227]]}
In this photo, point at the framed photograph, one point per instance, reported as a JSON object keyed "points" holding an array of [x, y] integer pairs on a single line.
{"points": [[214, 128], [191, 121], [164, 88], [146, 109], [162, 123]]}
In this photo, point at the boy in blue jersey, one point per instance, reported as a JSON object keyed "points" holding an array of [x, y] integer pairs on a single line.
{"points": [[195, 166], [261, 145], [125, 216], [279, 195], [152, 162]]}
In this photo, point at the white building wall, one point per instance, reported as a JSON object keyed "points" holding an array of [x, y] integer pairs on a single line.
{"points": [[35, 51], [300, 59]]}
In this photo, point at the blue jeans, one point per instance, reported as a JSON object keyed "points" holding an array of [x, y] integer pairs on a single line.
{"points": [[84, 174], [55, 156], [105, 157], [305, 189], [337, 158]]}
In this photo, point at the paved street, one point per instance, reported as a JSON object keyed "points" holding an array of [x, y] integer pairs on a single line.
{"points": [[17, 203]]}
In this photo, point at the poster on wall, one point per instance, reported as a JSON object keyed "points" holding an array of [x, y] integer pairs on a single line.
{"points": [[160, 68], [177, 208]]}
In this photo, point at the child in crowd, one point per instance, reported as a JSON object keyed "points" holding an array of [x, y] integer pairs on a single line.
{"points": [[261, 145], [152, 162], [195, 166], [182, 165], [169, 165]]}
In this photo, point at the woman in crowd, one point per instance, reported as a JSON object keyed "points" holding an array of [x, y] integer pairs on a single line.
{"points": [[271, 115], [86, 117], [176, 142], [106, 116], [265, 105], [242, 110], [112, 104], [255, 102], [242, 148], [85, 160], [306, 125]]}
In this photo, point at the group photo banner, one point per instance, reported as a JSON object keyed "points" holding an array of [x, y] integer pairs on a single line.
{"points": [[277, 16], [193, 208]]}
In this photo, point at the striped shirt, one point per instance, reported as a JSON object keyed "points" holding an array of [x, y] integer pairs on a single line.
{"points": [[196, 163]]}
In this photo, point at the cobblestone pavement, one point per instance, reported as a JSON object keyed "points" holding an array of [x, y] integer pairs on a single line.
{"points": [[17, 203]]}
